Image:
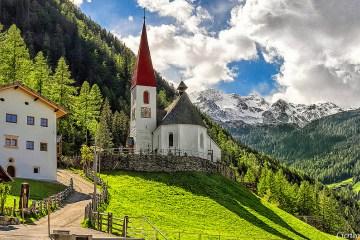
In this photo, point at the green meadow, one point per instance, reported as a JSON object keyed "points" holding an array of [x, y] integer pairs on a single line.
{"points": [[194, 205]]}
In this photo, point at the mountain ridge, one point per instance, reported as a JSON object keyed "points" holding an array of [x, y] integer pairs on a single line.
{"points": [[255, 110]]}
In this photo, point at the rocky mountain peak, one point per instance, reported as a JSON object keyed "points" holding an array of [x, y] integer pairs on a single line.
{"points": [[254, 109]]}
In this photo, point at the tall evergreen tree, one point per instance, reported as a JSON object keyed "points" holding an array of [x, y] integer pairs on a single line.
{"points": [[41, 75], [120, 128], [15, 64], [62, 90], [106, 113], [103, 133], [87, 107]]}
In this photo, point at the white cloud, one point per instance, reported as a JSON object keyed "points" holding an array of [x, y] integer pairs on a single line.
{"points": [[79, 2], [131, 18], [318, 41], [188, 50]]}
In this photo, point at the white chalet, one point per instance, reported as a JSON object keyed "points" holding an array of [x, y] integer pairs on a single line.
{"points": [[180, 130], [28, 133]]}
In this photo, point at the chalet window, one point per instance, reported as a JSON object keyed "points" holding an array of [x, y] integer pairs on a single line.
{"points": [[11, 118], [171, 140], [146, 97], [36, 170], [30, 120], [44, 122], [30, 145], [11, 141], [43, 147]]}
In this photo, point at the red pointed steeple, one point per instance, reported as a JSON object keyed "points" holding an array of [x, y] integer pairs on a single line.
{"points": [[144, 74]]}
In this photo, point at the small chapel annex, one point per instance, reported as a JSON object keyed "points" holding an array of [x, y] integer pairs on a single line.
{"points": [[179, 131]]}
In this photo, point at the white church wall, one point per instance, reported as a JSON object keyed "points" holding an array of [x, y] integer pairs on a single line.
{"points": [[141, 128], [187, 139], [215, 148], [25, 160]]}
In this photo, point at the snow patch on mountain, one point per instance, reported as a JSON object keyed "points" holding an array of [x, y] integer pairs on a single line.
{"points": [[255, 110]]}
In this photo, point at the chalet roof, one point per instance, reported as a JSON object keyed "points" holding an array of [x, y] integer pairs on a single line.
{"points": [[182, 111], [60, 111], [144, 74], [4, 176]]}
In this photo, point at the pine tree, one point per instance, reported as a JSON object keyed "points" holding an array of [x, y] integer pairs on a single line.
{"points": [[97, 102], [103, 134], [162, 99], [106, 113], [305, 199], [15, 64], [63, 91], [263, 186], [120, 128], [41, 75], [87, 107]]}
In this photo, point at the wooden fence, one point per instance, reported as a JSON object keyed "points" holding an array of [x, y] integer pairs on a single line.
{"points": [[142, 228], [127, 227], [103, 196], [53, 202], [40, 207]]}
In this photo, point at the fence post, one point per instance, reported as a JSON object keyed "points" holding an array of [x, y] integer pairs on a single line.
{"points": [[125, 226], [108, 222], [98, 220], [71, 184], [14, 213], [101, 221]]}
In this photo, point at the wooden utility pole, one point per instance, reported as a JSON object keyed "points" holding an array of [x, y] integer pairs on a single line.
{"points": [[94, 180], [48, 208]]}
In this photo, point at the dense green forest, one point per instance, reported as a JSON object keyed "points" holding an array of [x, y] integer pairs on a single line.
{"points": [[326, 149], [60, 29], [53, 48], [56, 29]]}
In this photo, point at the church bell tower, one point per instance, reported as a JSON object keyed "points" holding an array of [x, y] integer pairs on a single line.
{"points": [[143, 97]]}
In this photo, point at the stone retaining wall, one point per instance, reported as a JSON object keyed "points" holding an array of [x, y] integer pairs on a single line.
{"points": [[162, 163]]}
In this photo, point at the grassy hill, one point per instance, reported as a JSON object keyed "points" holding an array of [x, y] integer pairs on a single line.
{"points": [[327, 149], [196, 203], [354, 186], [38, 190]]}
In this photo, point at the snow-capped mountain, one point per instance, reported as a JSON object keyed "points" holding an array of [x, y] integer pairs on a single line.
{"points": [[255, 109]]}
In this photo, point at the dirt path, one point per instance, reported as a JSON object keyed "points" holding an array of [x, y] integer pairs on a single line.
{"points": [[67, 218]]}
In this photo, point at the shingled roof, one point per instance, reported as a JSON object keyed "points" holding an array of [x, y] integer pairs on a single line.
{"points": [[182, 111]]}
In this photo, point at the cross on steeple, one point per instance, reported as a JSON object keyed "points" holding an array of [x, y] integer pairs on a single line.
{"points": [[144, 15]]}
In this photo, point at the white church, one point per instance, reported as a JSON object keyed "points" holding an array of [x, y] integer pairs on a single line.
{"points": [[181, 131]]}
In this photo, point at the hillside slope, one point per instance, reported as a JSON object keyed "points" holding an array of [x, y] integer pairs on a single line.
{"points": [[196, 203], [327, 148]]}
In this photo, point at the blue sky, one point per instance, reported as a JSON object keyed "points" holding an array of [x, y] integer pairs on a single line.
{"points": [[250, 75], [236, 45]]}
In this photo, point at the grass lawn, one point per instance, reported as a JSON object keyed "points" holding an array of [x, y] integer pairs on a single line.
{"points": [[38, 190], [200, 203], [355, 186]]}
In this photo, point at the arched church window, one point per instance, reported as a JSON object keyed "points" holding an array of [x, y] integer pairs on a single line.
{"points": [[146, 97], [201, 140], [171, 140]]}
